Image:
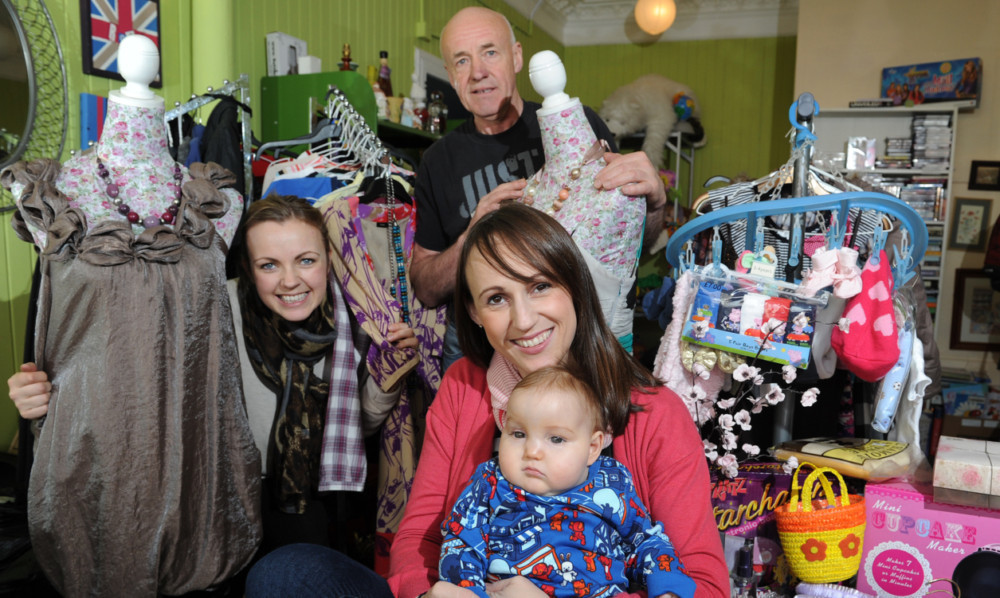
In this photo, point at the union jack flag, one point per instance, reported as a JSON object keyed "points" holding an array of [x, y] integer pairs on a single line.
{"points": [[110, 20]]}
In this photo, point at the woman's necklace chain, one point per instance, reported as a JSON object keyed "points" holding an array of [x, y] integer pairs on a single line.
{"points": [[112, 191], [396, 264]]}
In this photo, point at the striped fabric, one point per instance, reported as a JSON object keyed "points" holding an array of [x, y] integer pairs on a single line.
{"points": [[342, 465]]}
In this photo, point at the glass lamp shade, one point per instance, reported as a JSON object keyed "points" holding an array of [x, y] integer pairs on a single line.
{"points": [[655, 16]]}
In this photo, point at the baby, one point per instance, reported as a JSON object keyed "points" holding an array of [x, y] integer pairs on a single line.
{"points": [[553, 509]]}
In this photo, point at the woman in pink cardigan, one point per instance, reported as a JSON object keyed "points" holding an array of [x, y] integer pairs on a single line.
{"points": [[525, 300]]}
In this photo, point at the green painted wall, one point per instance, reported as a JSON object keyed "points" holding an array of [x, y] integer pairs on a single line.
{"points": [[745, 87]]}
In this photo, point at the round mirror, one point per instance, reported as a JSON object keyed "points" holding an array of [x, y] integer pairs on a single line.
{"points": [[18, 83]]}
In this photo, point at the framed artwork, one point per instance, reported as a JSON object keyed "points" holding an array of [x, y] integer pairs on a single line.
{"points": [[984, 176], [969, 220], [975, 317], [104, 23]]}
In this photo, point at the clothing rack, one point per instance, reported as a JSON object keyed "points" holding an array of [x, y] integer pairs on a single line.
{"points": [[907, 257], [239, 90], [342, 121]]}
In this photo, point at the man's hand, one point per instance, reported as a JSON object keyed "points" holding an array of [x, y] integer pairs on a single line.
{"points": [[491, 201], [635, 175], [433, 272]]}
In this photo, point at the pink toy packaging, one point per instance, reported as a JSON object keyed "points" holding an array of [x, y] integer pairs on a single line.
{"points": [[911, 540], [744, 508]]}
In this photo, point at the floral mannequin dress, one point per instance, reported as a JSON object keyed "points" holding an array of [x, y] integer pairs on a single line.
{"points": [[146, 479]]}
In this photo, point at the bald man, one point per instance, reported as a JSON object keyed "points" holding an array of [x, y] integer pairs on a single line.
{"points": [[489, 158]]}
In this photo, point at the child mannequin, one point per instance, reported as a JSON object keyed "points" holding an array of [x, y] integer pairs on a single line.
{"points": [[552, 509], [146, 480]]}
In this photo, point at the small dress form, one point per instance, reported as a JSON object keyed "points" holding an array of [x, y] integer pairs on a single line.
{"points": [[146, 480], [606, 225]]}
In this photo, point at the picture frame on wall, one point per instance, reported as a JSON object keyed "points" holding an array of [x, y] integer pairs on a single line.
{"points": [[984, 176], [975, 317], [969, 219], [104, 24]]}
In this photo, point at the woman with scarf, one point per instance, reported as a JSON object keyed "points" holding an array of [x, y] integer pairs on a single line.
{"points": [[298, 355]]}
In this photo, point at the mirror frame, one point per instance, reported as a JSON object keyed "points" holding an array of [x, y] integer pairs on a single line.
{"points": [[22, 39], [45, 135]]}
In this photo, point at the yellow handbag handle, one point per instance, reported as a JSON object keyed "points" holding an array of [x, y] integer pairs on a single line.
{"points": [[831, 498], [806, 489], [793, 503]]}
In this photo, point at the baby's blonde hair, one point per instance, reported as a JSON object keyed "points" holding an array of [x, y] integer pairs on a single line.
{"points": [[560, 377]]}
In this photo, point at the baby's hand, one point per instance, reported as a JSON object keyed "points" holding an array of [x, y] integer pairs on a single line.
{"points": [[514, 587]]}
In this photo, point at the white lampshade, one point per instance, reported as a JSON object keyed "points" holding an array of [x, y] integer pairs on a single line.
{"points": [[655, 16]]}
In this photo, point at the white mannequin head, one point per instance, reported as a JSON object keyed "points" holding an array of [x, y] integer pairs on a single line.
{"points": [[548, 77], [138, 63]]}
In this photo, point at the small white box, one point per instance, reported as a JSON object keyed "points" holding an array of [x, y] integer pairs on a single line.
{"points": [[283, 53], [860, 153], [310, 64]]}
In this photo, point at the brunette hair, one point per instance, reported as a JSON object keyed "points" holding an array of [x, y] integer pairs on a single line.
{"points": [[278, 208], [516, 234], [559, 377]]}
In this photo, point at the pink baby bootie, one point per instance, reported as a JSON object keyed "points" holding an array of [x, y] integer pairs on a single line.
{"points": [[847, 280], [820, 276]]}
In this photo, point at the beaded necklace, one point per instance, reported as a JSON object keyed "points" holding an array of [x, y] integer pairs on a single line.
{"points": [[396, 263], [112, 191]]}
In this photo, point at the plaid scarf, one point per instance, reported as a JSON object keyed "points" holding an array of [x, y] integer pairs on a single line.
{"points": [[283, 354]]}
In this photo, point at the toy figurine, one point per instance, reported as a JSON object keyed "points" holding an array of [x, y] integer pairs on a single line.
{"points": [[380, 101]]}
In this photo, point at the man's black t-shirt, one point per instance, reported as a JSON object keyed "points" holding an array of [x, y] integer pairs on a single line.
{"points": [[464, 165]]}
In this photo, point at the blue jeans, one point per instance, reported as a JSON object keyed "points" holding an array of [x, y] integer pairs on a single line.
{"points": [[306, 570]]}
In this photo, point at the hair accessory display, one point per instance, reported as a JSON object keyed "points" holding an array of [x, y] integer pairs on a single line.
{"points": [[113, 191]]}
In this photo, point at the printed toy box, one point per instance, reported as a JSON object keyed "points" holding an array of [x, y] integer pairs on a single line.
{"points": [[744, 508], [732, 320], [945, 81], [911, 540], [966, 400]]}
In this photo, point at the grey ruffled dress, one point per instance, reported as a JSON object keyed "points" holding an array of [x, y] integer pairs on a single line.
{"points": [[146, 478]]}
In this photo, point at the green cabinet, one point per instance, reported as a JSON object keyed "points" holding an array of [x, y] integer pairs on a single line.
{"points": [[286, 101]]}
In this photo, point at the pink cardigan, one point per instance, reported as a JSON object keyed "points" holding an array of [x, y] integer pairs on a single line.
{"points": [[660, 446]]}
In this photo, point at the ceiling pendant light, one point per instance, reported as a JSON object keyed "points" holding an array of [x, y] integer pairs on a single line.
{"points": [[655, 16]]}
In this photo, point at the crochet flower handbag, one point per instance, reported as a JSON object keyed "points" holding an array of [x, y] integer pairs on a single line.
{"points": [[822, 538]]}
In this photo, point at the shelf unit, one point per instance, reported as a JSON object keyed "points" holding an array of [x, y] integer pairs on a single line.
{"points": [[680, 152], [927, 189]]}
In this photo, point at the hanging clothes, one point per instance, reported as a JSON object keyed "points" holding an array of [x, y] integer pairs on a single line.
{"points": [[361, 262]]}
